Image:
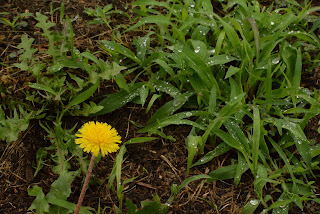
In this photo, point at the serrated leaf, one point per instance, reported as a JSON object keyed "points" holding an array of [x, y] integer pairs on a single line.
{"points": [[40, 204], [41, 154], [87, 109]]}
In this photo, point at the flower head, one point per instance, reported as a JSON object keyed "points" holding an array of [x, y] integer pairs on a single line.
{"points": [[95, 137]]}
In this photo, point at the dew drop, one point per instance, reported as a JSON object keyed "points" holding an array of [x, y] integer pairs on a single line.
{"points": [[188, 114], [254, 202]]}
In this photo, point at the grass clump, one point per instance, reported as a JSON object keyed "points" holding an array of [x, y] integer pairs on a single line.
{"points": [[235, 79]]}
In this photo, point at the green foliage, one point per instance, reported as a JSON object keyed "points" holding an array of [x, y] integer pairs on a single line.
{"points": [[10, 127], [235, 79], [15, 23], [242, 74]]}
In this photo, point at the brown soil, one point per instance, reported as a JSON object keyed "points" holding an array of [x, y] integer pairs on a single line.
{"points": [[157, 165]]}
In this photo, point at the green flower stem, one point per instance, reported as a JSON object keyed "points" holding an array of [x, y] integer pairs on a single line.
{"points": [[85, 186]]}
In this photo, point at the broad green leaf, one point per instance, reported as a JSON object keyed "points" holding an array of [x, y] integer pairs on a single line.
{"points": [[151, 3], [300, 139], [165, 67], [149, 207], [228, 139], [142, 46], [116, 169], [219, 60], [83, 96], [152, 128], [231, 34], [229, 109], [251, 206], [143, 92], [115, 47], [224, 173], [280, 206], [236, 132], [139, 140], [157, 19], [260, 180], [231, 71], [177, 189], [200, 67], [219, 150], [219, 42], [199, 47], [152, 100], [131, 207], [40, 204], [166, 87], [65, 63], [61, 188], [39, 86], [170, 107], [68, 205], [118, 99], [242, 167], [192, 145], [315, 150]]}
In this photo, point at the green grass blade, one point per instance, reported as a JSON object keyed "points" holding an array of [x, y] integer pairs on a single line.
{"points": [[188, 180], [231, 34], [256, 36], [283, 156], [212, 100], [297, 72], [256, 139]]}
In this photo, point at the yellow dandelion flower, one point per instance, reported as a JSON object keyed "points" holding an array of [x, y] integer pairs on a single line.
{"points": [[96, 137]]}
